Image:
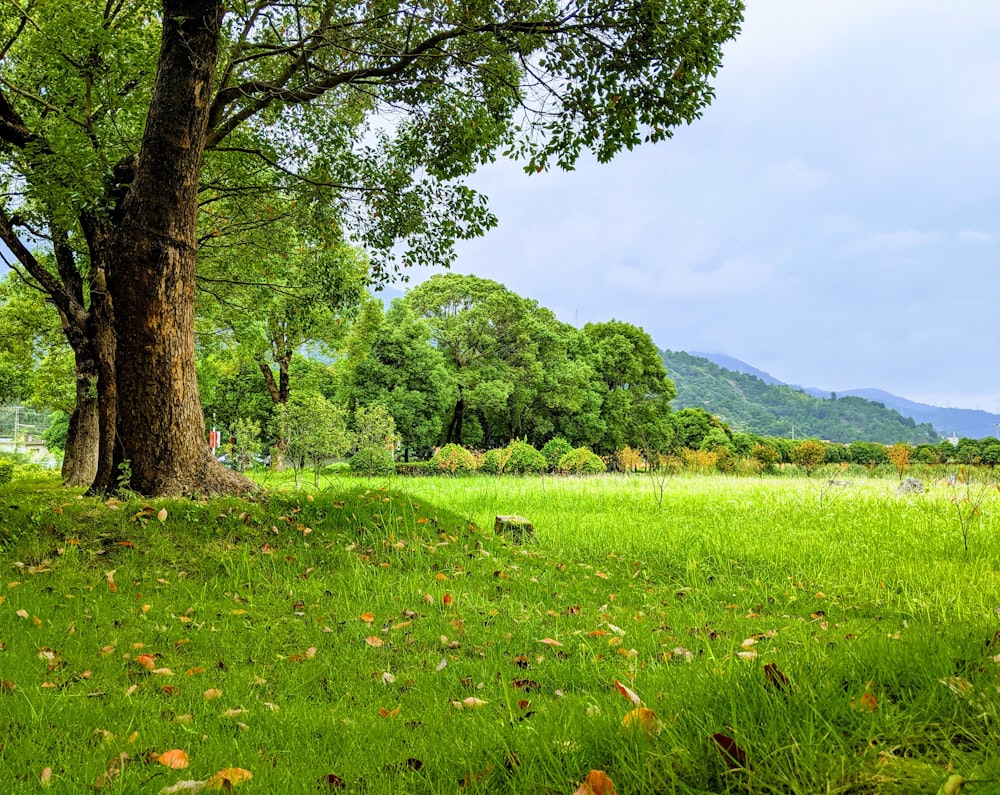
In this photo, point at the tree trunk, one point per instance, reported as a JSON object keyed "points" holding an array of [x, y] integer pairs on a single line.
{"points": [[151, 273], [83, 439], [454, 432], [279, 391]]}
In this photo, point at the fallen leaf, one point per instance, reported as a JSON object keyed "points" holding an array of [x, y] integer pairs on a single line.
{"points": [[175, 759], [183, 787], [627, 693], [162, 514], [110, 577], [734, 756], [367, 618], [46, 777], [147, 661], [550, 642], [867, 702], [388, 713], [596, 783], [446, 600], [641, 719], [374, 641], [228, 778], [774, 677], [111, 771], [212, 692]]}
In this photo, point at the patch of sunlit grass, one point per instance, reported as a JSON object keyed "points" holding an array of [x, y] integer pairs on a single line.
{"points": [[370, 636]]}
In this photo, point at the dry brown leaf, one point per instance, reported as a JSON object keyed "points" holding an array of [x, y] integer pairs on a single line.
{"points": [[642, 719], [228, 778], [596, 783], [374, 641], [550, 642], [162, 514], [212, 692], [628, 693]]}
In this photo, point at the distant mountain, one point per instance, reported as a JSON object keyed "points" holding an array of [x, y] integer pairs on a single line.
{"points": [[973, 423], [737, 366], [747, 403]]}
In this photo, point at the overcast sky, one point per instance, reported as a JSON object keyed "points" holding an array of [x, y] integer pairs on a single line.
{"points": [[833, 219]]}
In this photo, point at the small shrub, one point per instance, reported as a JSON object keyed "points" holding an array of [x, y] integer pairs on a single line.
{"points": [[494, 462], [453, 459], [373, 462], [525, 459], [581, 461], [6, 472], [629, 459], [553, 450]]}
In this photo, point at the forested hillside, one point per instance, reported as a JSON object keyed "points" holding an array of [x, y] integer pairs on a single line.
{"points": [[748, 404]]}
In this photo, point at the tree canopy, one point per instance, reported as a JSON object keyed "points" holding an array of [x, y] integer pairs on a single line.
{"points": [[122, 123]]}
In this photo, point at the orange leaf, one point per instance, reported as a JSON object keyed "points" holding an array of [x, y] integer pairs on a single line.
{"points": [[175, 759], [596, 783], [228, 778], [367, 618], [550, 642], [147, 661], [388, 713], [212, 692], [46, 778], [601, 574], [628, 693], [194, 671], [446, 599], [374, 641], [866, 703], [110, 577]]}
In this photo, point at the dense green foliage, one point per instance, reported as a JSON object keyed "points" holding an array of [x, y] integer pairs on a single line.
{"points": [[453, 459], [6, 472], [372, 462], [748, 404], [581, 461]]}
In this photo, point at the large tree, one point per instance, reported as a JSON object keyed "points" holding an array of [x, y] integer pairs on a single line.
{"points": [[383, 108]]}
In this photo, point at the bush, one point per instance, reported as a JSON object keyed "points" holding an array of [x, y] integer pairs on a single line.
{"points": [[373, 462], [553, 450], [6, 472], [495, 461], [629, 459], [525, 459], [453, 459], [581, 461]]}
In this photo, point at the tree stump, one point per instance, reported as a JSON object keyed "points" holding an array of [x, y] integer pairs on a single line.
{"points": [[517, 528]]}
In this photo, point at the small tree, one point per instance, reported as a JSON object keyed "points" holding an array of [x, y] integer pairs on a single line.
{"points": [[899, 456], [376, 440], [313, 429], [809, 455], [246, 444], [765, 457]]}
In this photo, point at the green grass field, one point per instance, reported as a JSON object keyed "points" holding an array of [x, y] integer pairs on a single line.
{"points": [[784, 636]]}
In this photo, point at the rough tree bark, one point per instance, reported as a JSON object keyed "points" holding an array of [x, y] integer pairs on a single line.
{"points": [[160, 430]]}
